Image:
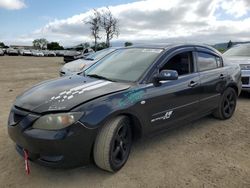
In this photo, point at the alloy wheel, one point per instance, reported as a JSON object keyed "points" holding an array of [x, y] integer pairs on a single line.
{"points": [[121, 145]]}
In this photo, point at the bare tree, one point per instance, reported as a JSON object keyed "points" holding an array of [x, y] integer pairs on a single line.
{"points": [[110, 25], [95, 26]]}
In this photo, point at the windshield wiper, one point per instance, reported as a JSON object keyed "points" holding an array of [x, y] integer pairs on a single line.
{"points": [[100, 77]]}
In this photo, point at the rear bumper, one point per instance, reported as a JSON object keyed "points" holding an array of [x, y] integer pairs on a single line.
{"points": [[63, 148]]}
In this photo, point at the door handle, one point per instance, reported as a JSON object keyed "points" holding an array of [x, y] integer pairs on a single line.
{"points": [[192, 84], [221, 76]]}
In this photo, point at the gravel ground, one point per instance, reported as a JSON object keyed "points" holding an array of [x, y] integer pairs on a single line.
{"points": [[207, 153]]}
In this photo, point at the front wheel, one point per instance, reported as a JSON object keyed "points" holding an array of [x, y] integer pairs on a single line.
{"points": [[113, 144], [227, 104]]}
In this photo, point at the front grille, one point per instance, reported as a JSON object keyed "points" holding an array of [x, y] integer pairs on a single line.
{"points": [[51, 159], [245, 80]]}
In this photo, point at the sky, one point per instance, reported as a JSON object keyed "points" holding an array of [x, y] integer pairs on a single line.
{"points": [[155, 21]]}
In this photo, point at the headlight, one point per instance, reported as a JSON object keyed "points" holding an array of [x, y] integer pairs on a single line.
{"points": [[82, 66], [245, 67], [57, 121]]}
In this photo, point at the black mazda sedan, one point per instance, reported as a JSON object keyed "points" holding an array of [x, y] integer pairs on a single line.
{"points": [[132, 93]]}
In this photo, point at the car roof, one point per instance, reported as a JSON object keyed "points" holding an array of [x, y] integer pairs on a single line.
{"points": [[171, 45], [167, 46]]}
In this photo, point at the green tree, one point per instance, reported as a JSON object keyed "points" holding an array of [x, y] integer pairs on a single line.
{"points": [[221, 50], [54, 46], [40, 43], [229, 44], [128, 44], [2, 45], [100, 46], [86, 45]]}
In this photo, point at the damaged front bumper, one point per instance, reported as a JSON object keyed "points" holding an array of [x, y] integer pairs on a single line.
{"points": [[69, 147]]}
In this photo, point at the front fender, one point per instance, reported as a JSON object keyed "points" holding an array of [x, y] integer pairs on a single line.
{"points": [[99, 111]]}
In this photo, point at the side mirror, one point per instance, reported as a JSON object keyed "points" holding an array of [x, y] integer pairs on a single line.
{"points": [[166, 75]]}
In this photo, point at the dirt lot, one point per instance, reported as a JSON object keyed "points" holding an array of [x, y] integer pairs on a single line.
{"points": [[208, 153]]}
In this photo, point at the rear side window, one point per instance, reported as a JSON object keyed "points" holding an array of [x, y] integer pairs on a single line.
{"points": [[207, 61]]}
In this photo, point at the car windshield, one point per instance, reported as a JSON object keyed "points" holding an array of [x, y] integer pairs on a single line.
{"points": [[243, 50], [125, 64], [99, 54]]}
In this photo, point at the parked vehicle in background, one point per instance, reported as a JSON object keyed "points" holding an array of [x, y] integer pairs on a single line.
{"points": [[1, 52], [72, 55], [37, 53], [78, 66], [134, 92], [4, 50], [20, 51], [26, 53], [12, 51], [240, 54], [60, 53], [49, 53]]}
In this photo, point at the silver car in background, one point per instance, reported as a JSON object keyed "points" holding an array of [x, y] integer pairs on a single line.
{"points": [[240, 54], [49, 53], [12, 51], [1, 52], [26, 52], [80, 65], [37, 53]]}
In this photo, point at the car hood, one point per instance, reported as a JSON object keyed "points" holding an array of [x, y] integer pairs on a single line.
{"points": [[65, 93], [77, 65], [238, 59]]}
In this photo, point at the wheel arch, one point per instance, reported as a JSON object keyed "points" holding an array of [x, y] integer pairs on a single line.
{"points": [[235, 87], [136, 125]]}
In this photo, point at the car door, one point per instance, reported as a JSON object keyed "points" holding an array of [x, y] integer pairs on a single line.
{"points": [[213, 78], [173, 101]]}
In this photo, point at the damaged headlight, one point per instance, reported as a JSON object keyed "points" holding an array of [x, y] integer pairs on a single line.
{"points": [[57, 121]]}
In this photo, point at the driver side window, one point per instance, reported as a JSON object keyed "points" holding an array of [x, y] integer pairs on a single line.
{"points": [[182, 63]]}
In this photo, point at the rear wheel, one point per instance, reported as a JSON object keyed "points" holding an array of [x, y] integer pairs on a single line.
{"points": [[227, 104], [113, 144]]}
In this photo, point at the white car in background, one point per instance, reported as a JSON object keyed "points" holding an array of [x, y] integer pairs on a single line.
{"points": [[60, 53], [1, 52], [12, 51], [240, 54], [26, 53], [80, 65], [37, 53], [49, 53]]}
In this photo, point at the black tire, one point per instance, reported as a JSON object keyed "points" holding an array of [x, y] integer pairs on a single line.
{"points": [[227, 104], [113, 144]]}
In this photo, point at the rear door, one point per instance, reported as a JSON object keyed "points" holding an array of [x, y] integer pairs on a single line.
{"points": [[213, 78]]}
